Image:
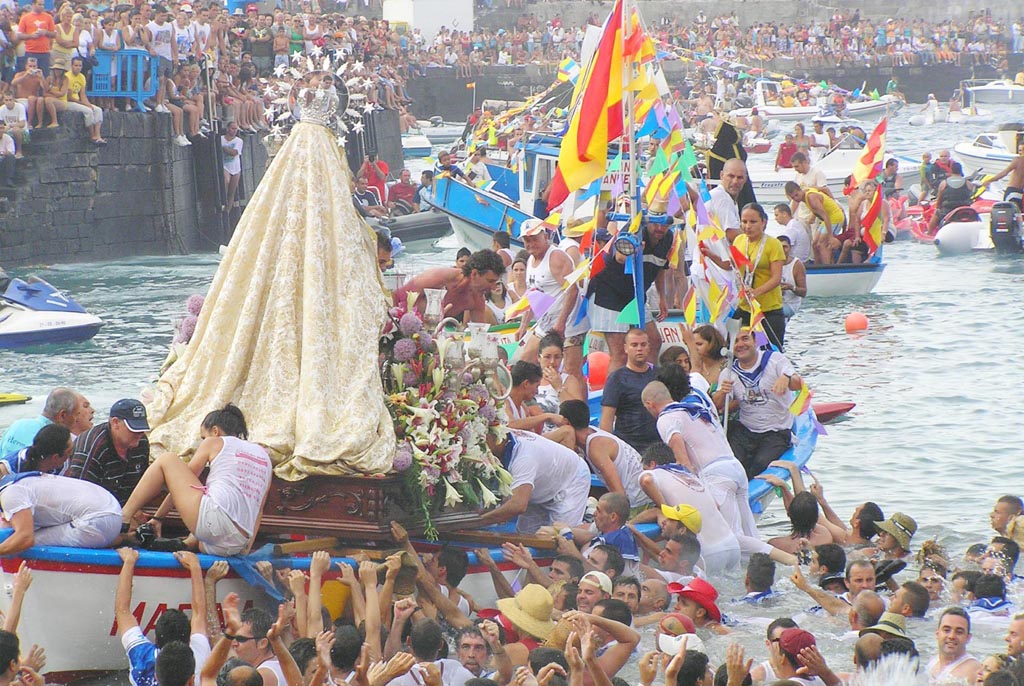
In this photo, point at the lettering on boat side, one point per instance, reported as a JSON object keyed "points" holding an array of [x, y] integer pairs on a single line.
{"points": [[146, 614]]}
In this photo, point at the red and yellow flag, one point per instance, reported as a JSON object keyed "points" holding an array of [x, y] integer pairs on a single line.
{"points": [[690, 307], [869, 164], [596, 118], [872, 222]]}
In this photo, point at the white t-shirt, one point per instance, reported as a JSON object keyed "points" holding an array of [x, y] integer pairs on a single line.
{"points": [[460, 600], [542, 463], [760, 409], [698, 381], [705, 442], [56, 500], [799, 238], [7, 144], [723, 207], [273, 665], [232, 165], [479, 171], [679, 488]]}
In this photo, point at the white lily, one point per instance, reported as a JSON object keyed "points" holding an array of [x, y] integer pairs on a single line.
{"points": [[487, 497], [451, 496]]}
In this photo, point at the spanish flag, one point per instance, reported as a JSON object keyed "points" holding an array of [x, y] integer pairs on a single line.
{"points": [[869, 164], [596, 118]]}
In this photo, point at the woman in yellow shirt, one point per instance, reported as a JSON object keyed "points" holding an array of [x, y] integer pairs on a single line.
{"points": [[760, 272]]}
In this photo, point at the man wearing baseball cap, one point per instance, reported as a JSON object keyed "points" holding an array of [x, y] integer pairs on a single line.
{"points": [[696, 600], [789, 654], [594, 587], [114, 454]]}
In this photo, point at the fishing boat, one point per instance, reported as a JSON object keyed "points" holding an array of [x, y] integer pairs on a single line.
{"points": [[997, 92], [767, 91], [770, 185], [990, 152], [35, 313]]}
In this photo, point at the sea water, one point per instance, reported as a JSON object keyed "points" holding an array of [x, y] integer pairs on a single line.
{"points": [[936, 378]]}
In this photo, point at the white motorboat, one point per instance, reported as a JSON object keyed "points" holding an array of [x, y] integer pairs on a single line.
{"points": [[990, 152], [35, 313], [415, 144], [769, 185], [441, 132], [970, 115], [1000, 91], [766, 92]]}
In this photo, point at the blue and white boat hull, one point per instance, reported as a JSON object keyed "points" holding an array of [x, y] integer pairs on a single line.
{"points": [[35, 313]]}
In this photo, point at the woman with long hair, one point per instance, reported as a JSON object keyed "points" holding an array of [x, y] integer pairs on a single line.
{"points": [[51, 447]]}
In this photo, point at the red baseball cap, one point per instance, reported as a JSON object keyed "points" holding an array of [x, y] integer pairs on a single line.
{"points": [[702, 593], [792, 641]]}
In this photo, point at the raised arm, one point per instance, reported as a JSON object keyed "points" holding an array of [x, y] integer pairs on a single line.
{"points": [[292, 674], [368, 577], [123, 596], [222, 647], [189, 561], [217, 571], [502, 588], [22, 581], [832, 604], [318, 564], [297, 584]]}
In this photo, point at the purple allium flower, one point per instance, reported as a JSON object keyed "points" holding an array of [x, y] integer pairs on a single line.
{"points": [[410, 324], [194, 304], [403, 458], [488, 413], [426, 342], [410, 379], [405, 349], [188, 327]]}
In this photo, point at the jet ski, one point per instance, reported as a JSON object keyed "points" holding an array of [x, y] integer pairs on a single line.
{"points": [[35, 313]]}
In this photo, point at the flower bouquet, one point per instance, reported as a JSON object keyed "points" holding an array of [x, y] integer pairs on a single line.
{"points": [[443, 417]]}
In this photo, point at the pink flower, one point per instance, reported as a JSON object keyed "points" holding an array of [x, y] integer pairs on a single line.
{"points": [[194, 304]]}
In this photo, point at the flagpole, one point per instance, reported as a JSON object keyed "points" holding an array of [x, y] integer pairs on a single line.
{"points": [[634, 164]]}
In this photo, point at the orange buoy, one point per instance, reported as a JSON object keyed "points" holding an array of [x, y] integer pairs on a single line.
{"points": [[856, 321], [597, 369]]}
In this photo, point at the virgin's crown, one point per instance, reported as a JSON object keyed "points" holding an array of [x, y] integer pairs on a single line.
{"points": [[318, 106]]}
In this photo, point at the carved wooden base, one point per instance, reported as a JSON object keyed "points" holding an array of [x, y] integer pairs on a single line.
{"points": [[353, 509]]}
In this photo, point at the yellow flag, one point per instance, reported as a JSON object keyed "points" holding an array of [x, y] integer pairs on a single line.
{"points": [[576, 274], [517, 308], [634, 225]]}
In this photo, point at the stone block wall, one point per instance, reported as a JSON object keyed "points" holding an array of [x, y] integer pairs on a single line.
{"points": [[140, 194]]}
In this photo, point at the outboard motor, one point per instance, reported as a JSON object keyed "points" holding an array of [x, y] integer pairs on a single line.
{"points": [[1005, 228]]}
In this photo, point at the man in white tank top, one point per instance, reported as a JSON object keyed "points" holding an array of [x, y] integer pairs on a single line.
{"points": [[545, 273], [611, 458]]}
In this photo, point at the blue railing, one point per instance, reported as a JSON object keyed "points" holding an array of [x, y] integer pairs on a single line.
{"points": [[130, 73]]}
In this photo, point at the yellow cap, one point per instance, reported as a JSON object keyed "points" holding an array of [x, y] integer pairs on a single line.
{"points": [[687, 514]]}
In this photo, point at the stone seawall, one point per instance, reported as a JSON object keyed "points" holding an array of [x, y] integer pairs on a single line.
{"points": [[138, 195]]}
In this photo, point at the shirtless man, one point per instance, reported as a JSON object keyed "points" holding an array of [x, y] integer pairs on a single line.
{"points": [[1015, 187], [28, 90], [467, 287], [953, 664]]}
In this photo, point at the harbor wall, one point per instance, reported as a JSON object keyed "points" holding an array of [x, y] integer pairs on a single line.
{"points": [[138, 195]]}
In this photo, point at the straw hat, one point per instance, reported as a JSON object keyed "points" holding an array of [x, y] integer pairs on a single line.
{"points": [[901, 527], [890, 623], [530, 610]]}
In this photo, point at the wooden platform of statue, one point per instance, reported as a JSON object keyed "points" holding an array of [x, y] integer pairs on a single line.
{"points": [[354, 510]]}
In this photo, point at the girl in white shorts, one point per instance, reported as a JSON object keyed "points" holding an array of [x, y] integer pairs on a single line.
{"points": [[224, 514]]}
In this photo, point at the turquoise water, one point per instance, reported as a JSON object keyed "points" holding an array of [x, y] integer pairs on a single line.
{"points": [[935, 376]]}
